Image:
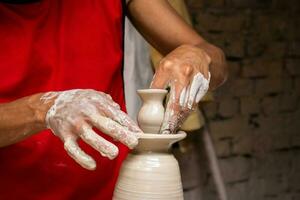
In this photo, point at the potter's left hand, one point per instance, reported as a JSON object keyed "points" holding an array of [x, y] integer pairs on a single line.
{"points": [[186, 71]]}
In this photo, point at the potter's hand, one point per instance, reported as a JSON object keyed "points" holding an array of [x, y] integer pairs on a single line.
{"points": [[74, 114], [186, 71]]}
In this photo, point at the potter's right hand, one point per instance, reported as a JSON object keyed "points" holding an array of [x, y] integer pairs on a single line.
{"points": [[186, 71], [74, 114]]}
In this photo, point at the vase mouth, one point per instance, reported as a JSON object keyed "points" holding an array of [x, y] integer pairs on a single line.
{"points": [[157, 142], [179, 135], [151, 91]]}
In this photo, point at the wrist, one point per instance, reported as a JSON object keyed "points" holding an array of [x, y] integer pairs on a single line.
{"points": [[39, 107], [218, 66]]}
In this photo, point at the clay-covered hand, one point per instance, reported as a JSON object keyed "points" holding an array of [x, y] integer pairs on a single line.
{"points": [[75, 113], [186, 71]]}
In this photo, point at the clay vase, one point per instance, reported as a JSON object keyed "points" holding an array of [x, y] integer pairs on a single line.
{"points": [[151, 114], [151, 172]]}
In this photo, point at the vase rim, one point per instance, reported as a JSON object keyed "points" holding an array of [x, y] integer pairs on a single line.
{"points": [[178, 135], [151, 142], [161, 91]]}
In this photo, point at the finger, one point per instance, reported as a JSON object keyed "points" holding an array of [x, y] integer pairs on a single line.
{"points": [[159, 80], [187, 96], [161, 77], [173, 120], [203, 89], [110, 110], [173, 110], [105, 148], [182, 98], [194, 89], [78, 155], [176, 105], [122, 118], [115, 130]]}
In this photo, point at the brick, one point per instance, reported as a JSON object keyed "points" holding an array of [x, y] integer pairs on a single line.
{"points": [[288, 84], [210, 109], [295, 196], [254, 47], [209, 22], [294, 175], [234, 46], [288, 101], [275, 186], [243, 145], [293, 66], [262, 43], [262, 144], [268, 86], [193, 194], [273, 28], [222, 148], [297, 85], [255, 188], [275, 50], [259, 68], [228, 128], [228, 107], [270, 105], [254, 69], [206, 22], [249, 3], [292, 127], [242, 87], [249, 105], [262, 67], [234, 69], [274, 67], [233, 23], [235, 169], [270, 124], [189, 163], [275, 164], [273, 132], [281, 141], [195, 4], [214, 3], [285, 6], [237, 191], [294, 48]]}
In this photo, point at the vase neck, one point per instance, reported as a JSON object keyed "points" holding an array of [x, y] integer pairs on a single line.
{"points": [[152, 95]]}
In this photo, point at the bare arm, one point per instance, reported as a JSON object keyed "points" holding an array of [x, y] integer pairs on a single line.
{"points": [[191, 65], [166, 30], [22, 118], [71, 115]]}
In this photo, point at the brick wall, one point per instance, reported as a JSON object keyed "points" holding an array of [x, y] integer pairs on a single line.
{"points": [[255, 120]]}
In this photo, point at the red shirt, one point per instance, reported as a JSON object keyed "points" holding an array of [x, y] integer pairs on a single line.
{"points": [[57, 45]]}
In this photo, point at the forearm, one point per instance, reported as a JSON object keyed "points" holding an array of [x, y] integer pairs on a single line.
{"points": [[160, 25], [22, 118]]}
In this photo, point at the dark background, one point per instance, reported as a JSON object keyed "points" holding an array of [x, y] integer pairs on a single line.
{"points": [[255, 120]]}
